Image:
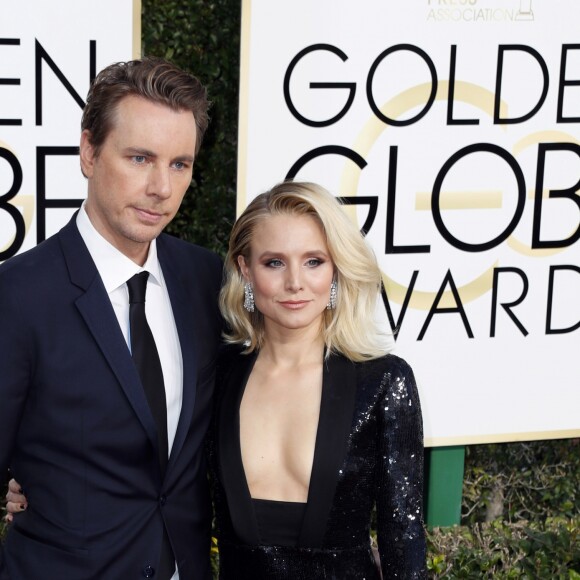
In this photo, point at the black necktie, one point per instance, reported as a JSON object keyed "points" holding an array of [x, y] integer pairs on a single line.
{"points": [[147, 361]]}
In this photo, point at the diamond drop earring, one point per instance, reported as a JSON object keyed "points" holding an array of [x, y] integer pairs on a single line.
{"points": [[332, 302], [249, 303]]}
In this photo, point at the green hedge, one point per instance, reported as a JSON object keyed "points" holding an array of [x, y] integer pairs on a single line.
{"points": [[523, 549], [203, 38], [536, 480], [520, 514]]}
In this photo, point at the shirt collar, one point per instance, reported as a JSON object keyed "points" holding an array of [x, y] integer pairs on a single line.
{"points": [[114, 267]]}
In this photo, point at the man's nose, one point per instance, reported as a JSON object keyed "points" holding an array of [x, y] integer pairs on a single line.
{"points": [[160, 181]]}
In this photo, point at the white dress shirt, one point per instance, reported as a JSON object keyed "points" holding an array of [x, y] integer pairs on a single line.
{"points": [[115, 269]]}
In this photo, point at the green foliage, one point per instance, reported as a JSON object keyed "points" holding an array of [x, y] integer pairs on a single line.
{"points": [[204, 38], [521, 481], [527, 550], [215, 557], [2, 520], [521, 518]]}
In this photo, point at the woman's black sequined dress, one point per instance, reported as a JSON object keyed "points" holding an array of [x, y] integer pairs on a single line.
{"points": [[369, 449]]}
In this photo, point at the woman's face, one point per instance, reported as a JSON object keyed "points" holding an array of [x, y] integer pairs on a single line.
{"points": [[291, 272]]}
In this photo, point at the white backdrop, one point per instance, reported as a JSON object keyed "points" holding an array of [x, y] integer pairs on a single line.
{"points": [[48, 52], [459, 121]]}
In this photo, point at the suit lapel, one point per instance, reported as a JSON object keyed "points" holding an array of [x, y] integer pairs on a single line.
{"points": [[96, 309], [183, 309], [334, 427], [230, 455]]}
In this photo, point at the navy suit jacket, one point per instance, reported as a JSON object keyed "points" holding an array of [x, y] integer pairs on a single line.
{"points": [[76, 429]]}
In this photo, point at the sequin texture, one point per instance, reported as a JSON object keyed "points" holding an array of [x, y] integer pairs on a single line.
{"points": [[382, 467]]}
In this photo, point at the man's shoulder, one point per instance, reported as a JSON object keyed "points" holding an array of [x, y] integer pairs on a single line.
{"points": [[32, 262]]}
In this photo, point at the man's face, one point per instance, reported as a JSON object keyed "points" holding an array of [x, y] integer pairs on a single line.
{"points": [[140, 175]]}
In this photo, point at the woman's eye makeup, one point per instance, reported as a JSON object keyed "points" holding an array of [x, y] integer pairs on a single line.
{"points": [[274, 263]]}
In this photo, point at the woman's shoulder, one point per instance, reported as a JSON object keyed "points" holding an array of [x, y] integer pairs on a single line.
{"points": [[229, 355], [232, 358], [389, 363], [229, 352], [390, 374]]}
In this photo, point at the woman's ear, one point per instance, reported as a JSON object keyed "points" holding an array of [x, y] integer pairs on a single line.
{"points": [[244, 268]]}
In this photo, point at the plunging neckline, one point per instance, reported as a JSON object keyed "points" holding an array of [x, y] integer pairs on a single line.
{"points": [[239, 437], [334, 426]]}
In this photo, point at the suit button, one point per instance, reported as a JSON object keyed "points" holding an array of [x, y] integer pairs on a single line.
{"points": [[162, 500], [148, 572]]}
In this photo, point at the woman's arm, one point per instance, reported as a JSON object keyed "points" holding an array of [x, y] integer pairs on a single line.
{"points": [[401, 532]]}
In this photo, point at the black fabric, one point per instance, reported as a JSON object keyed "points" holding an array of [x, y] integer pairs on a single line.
{"points": [[279, 522], [242, 562], [146, 357], [332, 439], [369, 451]]}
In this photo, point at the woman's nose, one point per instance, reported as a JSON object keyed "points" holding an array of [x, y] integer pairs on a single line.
{"points": [[293, 280]]}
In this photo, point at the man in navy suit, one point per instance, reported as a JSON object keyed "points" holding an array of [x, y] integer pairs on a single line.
{"points": [[77, 429]]}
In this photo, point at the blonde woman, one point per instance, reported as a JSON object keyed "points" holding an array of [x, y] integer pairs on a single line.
{"points": [[314, 424]]}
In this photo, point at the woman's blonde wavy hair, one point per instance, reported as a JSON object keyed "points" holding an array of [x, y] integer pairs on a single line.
{"points": [[350, 329]]}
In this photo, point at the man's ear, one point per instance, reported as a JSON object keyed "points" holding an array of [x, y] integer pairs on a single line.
{"points": [[87, 154], [244, 268]]}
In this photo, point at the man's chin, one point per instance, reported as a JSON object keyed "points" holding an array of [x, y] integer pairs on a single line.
{"points": [[146, 234]]}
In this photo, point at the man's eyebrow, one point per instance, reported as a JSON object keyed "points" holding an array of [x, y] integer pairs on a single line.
{"points": [[189, 158], [139, 151], [148, 153]]}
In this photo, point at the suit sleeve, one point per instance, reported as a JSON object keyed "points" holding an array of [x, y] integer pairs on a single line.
{"points": [[14, 376], [401, 533]]}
